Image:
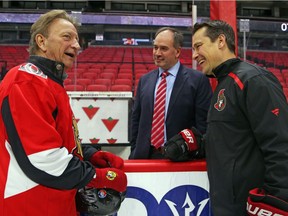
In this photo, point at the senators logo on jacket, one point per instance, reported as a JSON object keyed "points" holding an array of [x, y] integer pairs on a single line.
{"points": [[221, 101]]}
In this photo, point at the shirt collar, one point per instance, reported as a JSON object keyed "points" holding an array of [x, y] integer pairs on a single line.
{"points": [[172, 71], [52, 69], [224, 68]]}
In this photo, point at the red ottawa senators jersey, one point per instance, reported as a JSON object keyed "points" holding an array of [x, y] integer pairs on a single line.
{"points": [[41, 166]]}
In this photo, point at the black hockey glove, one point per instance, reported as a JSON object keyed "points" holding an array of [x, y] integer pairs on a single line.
{"points": [[185, 146], [260, 203]]}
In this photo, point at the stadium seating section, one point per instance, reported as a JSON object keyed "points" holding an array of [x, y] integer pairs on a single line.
{"points": [[107, 68]]}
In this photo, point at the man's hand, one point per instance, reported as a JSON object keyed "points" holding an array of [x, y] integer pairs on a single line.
{"points": [[104, 159]]}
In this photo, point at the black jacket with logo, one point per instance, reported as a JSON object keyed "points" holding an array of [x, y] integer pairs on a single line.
{"points": [[247, 137]]}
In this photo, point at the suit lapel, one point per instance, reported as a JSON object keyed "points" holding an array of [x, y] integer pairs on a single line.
{"points": [[151, 88], [178, 85]]}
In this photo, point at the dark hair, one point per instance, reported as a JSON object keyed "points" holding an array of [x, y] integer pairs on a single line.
{"points": [[216, 27], [178, 36]]}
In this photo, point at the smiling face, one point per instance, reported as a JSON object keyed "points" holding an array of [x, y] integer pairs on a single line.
{"points": [[165, 55], [207, 53], [61, 44]]}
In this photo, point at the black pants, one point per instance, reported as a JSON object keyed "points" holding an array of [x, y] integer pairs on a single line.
{"points": [[156, 153]]}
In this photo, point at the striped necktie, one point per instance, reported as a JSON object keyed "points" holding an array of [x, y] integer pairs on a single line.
{"points": [[157, 133]]}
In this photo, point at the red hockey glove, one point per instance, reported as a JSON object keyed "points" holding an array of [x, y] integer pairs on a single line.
{"points": [[106, 159], [260, 203], [109, 178], [184, 146]]}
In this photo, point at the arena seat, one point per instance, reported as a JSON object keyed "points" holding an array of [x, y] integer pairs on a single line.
{"points": [[73, 75], [90, 75], [96, 70], [138, 76], [113, 66], [72, 87], [103, 81], [121, 88], [107, 75], [126, 70], [96, 87], [125, 66], [285, 72], [84, 81], [141, 71], [110, 70], [79, 71], [68, 81], [140, 66], [125, 76], [123, 82]]}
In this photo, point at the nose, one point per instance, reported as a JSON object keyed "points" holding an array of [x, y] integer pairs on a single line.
{"points": [[195, 55], [76, 45], [157, 52]]}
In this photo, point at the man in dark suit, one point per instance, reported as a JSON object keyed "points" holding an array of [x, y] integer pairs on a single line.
{"points": [[188, 97]]}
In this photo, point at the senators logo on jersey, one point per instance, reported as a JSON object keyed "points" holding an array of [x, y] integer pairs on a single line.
{"points": [[32, 69], [221, 101]]}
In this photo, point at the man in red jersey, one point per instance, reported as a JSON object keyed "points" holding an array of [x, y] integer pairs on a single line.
{"points": [[42, 160]]}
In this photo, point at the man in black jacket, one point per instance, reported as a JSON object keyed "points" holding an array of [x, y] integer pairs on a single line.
{"points": [[247, 134]]}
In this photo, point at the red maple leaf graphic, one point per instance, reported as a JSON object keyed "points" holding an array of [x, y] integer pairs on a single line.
{"points": [[110, 123], [94, 140], [111, 141], [90, 111]]}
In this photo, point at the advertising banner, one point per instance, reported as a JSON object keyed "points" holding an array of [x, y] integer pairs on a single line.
{"points": [[168, 189]]}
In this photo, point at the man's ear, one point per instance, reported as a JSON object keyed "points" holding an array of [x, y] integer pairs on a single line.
{"points": [[178, 52], [221, 40], [41, 42]]}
